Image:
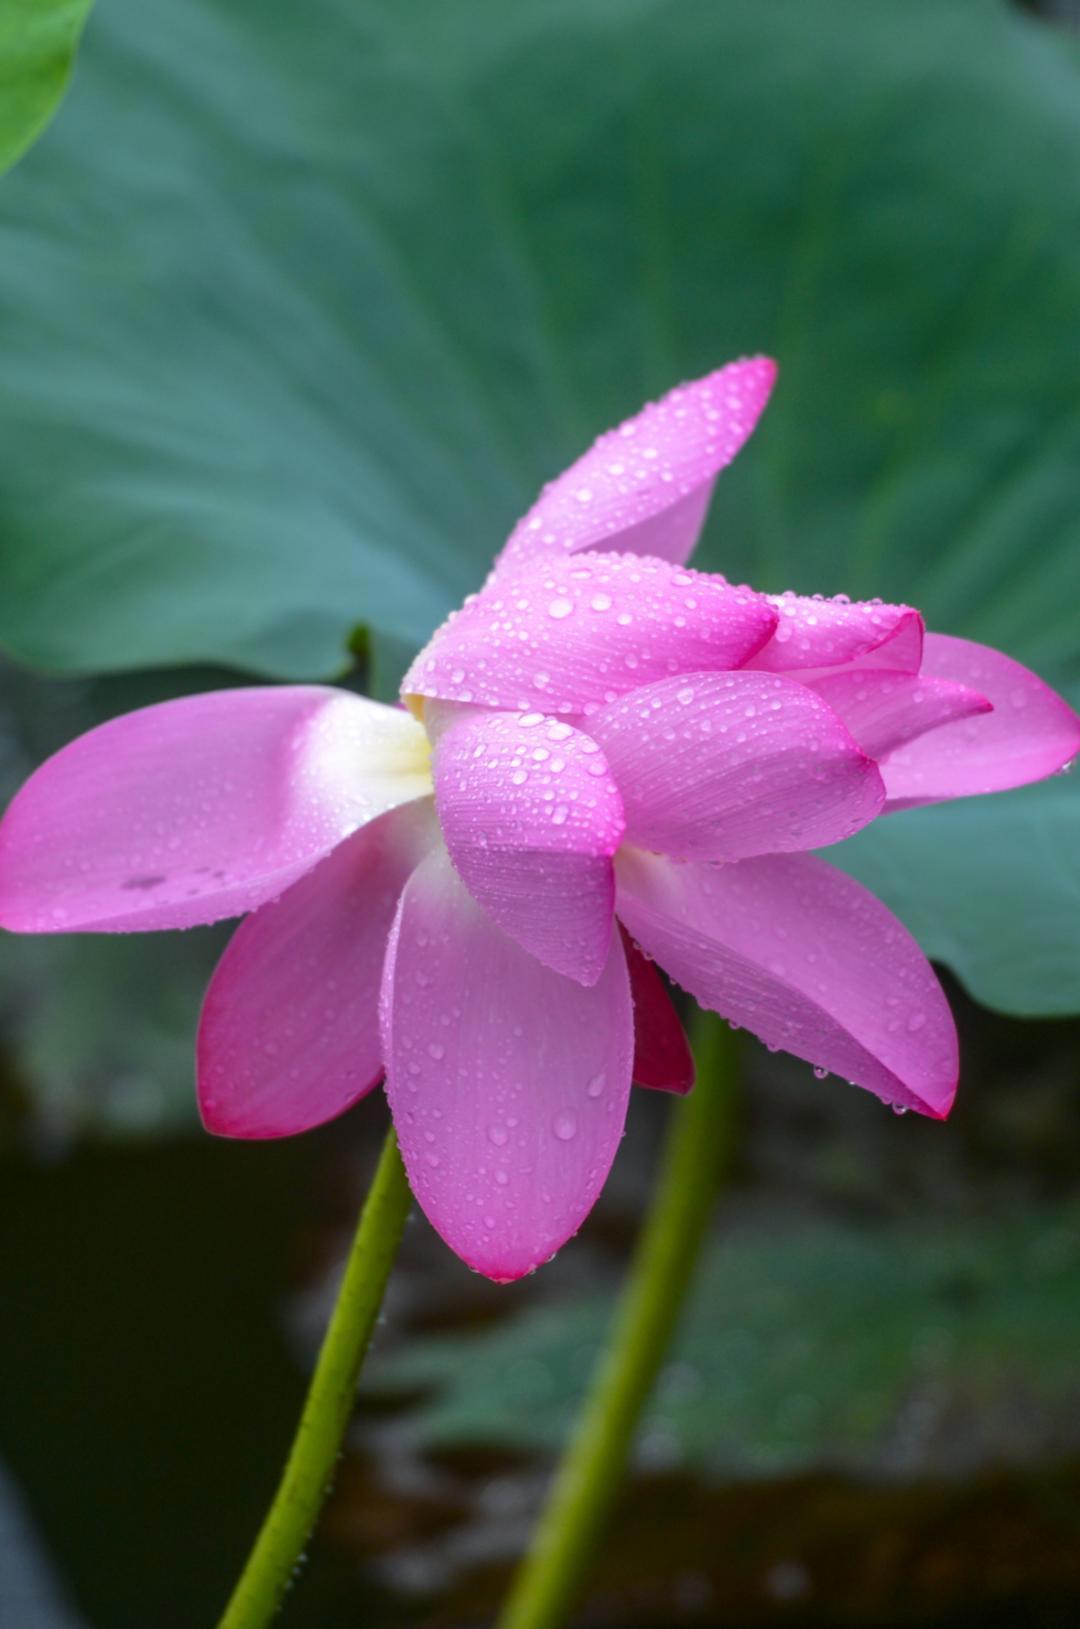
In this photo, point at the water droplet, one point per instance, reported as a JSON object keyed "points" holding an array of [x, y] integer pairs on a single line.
{"points": [[565, 1127]]}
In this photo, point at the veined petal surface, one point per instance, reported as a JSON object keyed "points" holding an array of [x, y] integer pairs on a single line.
{"points": [[289, 1034], [568, 636], [721, 766], [813, 632], [200, 808], [806, 959], [508, 1082], [1031, 732], [644, 487], [531, 817], [886, 710]]}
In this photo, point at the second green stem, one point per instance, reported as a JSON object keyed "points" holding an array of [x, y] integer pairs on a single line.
{"points": [[588, 1480]]}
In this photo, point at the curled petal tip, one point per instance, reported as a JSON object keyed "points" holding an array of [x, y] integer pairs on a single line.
{"points": [[644, 486]]}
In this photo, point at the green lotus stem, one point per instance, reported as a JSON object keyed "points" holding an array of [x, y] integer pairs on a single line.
{"points": [[590, 1475], [331, 1396]]}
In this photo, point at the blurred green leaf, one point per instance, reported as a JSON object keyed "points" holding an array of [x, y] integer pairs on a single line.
{"points": [[103, 1028], [304, 304], [37, 48], [818, 1347], [991, 887], [301, 308]]}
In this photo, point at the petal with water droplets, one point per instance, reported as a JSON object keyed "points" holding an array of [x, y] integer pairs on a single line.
{"points": [[806, 959], [508, 1083], [289, 1033], [819, 633], [531, 817], [1031, 732], [886, 710], [720, 766], [644, 487], [569, 635], [201, 808]]}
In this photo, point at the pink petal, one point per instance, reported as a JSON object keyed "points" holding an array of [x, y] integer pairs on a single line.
{"points": [[566, 636], [508, 1082], [662, 1056], [531, 818], [1030, 734], [200, 808], [720, 766], [885, 710], [289, 1034], [813, 633], [644, 487], [805, 958]]}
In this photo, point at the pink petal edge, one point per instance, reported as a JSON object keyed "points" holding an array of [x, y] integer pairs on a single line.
{"points": [[805, 958], [1030, 734], [722, 766], [644, 487], [201, 808], [289, 1032], [663, 1060], [813, 632], [531, 818], [886, 710], [508, 1083], [567, 636]]}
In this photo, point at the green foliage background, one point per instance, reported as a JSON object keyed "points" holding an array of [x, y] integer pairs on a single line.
{"points": [[300, 305]]}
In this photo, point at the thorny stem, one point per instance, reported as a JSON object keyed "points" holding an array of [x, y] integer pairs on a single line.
{"points": [[590, 1475], [329, 1403]]}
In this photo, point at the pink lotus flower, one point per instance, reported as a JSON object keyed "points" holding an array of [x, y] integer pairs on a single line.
{"points": [[601, 733]]}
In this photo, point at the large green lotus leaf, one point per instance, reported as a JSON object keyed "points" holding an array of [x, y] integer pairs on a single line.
{"points": [[299, 308], [991, 886], [300, 304], [37, 48]]}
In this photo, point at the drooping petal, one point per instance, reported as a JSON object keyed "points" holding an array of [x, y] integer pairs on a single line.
{"points": [[819, 633], [644, 487], [807, 959], [885, 710], [1030, 734], [200, 808], [508, 1082], [720, 766], [289, 1033], [662, 1056], [531, 817], [568, 635]]}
